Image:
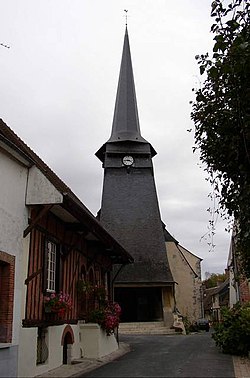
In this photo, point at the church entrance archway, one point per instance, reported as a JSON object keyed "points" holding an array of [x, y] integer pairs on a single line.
{"points": [[140, 304]]}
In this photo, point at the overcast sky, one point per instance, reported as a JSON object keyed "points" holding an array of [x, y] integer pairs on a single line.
{"points": [[58, 84]]}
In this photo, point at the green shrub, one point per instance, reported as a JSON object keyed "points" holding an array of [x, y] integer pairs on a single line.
{"points": [[232, 335], [189, 327]]}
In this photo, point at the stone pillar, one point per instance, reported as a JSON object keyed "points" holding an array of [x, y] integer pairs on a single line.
{"points": [[168, 306]]}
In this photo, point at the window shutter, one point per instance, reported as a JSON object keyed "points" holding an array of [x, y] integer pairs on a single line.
{"points": [[58, 268], [45, 264]]}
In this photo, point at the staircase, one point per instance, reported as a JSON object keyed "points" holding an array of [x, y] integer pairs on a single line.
{"points": [[145, 328]]}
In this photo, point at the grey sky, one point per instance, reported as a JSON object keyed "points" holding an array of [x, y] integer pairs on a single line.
{"points": [[58, 86]]}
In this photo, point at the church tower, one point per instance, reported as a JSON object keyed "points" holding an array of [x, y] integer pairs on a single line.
{"points": [[130, 210]]}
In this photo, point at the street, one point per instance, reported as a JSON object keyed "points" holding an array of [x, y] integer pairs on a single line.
{"points": [[169, 356]]}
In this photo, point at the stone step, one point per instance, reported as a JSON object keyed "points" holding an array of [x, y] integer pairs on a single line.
{"points": [[141, 324], [148, 328], [165, 331]]}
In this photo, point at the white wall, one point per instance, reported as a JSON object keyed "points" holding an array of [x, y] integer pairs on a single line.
{"points": [[13, 220], [28, 346], [94, 342], [40, 190]]}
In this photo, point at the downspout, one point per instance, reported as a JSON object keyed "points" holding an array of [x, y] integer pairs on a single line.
{"points": [[113, 280]]}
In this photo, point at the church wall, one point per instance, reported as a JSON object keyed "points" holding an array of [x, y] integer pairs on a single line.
{"points": [[193, 260], [187, 289]]}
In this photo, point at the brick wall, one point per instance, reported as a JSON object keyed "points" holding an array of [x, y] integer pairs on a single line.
{"points": [[244, 291], [7, 278]]}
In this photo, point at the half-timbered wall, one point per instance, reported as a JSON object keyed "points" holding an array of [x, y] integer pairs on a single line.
{"points": [[75, 256]]}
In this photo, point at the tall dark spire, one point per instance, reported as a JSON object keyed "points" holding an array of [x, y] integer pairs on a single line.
{"points": [[130, 210], [126, 121], [126, 125]]}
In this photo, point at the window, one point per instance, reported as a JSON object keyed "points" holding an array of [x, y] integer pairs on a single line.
{"points": [[50, 250]]}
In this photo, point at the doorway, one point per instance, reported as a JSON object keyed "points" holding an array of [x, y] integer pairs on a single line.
{"points": [[140, 304], [67, 344]]}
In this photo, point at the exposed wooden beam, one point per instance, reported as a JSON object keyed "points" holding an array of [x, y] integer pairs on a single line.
{"points": [[41, 213], [77, 227]]}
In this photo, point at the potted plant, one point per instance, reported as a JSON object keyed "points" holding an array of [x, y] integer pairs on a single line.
{"points": [[107, 316], [99, 292], [57, 303], [84, 287]]}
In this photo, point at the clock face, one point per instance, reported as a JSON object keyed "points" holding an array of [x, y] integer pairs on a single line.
{"points": [[128, 160]]}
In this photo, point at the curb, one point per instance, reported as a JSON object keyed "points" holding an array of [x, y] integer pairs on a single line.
{"points": [[123, 349], [85, 365]]}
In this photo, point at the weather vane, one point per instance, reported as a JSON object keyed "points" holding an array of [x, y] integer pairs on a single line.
{"points": [[126, 11]]}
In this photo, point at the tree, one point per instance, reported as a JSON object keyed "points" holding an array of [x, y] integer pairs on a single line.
{"points": [[214, 279], [221, 115]]}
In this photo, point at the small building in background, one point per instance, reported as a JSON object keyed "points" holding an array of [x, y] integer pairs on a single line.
{"points": [[214, 299]]}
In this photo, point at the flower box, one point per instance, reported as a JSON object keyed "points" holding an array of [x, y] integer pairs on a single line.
{"points": [[57, 304]]}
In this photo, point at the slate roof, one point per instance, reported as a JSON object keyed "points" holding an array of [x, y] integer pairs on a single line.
{"points": [[125, 125], [150, 272], [126, 120], [167, 236]]}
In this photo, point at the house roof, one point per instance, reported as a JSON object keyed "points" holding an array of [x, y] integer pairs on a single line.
{"points": [[167, 236], [191, 253], [71, 203], [183, 251], [208, 298], [223, 286], [221, 290]]}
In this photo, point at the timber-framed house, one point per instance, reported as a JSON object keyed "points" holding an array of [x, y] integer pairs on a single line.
{"points": [[49, 242]]}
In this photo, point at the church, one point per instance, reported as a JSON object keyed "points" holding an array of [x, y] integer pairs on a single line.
{"points": [[130, 211]]}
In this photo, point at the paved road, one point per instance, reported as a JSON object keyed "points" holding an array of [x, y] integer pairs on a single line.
{"points": [[169, 356]]}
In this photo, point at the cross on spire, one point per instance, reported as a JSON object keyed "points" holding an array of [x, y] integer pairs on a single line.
{"points": [[126, 15]]}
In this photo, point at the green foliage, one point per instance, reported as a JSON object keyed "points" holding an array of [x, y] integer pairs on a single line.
{"points": [[232, 335], [221, 114], [97, 291], [213, 280], [83, 286], [189, 327], [96, 316]]}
